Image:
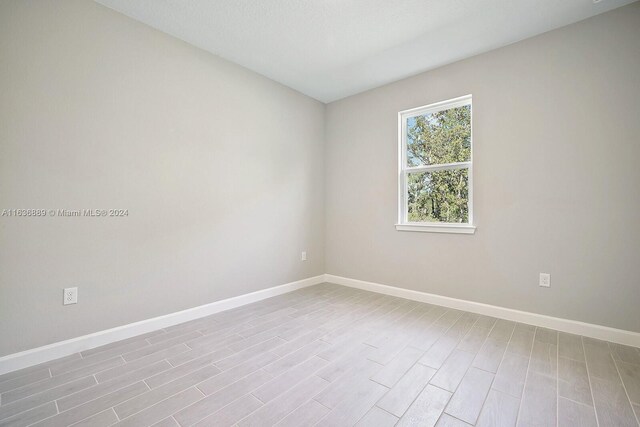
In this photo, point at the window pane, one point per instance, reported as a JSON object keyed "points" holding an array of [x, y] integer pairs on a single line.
{"points": [[438, 138], [441, 196]]}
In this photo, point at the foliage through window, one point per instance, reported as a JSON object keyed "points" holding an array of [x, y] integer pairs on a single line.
{"points": [[435, 164]]}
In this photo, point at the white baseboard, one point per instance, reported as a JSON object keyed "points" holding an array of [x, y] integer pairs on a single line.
{"points": [[571, 326], [53, 351]]}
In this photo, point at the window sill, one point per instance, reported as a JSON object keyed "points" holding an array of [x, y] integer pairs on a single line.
{"points": [[438, 228]]}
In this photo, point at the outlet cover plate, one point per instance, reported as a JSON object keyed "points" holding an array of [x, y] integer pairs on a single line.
{"points": [[70, 296], [545, 280]]}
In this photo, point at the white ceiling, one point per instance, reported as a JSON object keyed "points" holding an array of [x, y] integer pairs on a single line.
{"points": [[329, 49]]}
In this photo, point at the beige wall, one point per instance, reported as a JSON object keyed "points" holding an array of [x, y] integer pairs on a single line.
{"points": [[227, 175], [221, 170], [557, 182]]}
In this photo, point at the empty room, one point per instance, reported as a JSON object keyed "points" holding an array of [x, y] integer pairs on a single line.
{"points": [[329, 213]]}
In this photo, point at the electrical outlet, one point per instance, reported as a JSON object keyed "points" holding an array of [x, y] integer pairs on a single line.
{"points": [[545, 280], [70, 296], [303, 256]]}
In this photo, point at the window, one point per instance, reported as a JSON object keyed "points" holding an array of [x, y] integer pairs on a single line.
{"points": [[435, 174]]}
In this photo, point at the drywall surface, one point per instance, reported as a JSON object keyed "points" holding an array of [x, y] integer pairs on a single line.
{"points": [[556, 183], [220, 169]]}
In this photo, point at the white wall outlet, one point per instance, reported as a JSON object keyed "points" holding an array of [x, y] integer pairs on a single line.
{"points": [[545, 280], [303, 256], [70, 296]]}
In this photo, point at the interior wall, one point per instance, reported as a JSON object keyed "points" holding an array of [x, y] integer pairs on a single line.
{"points": [[221, 171], [556, 182], [227, 176]]}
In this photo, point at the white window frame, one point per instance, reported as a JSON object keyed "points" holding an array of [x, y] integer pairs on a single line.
{"points": [[403, 170]]}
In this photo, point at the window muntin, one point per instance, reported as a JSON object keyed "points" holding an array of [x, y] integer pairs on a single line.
{"points": [[435, 179]]}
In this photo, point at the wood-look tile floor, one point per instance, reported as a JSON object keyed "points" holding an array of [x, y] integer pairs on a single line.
{"points": [[334, 356]]}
